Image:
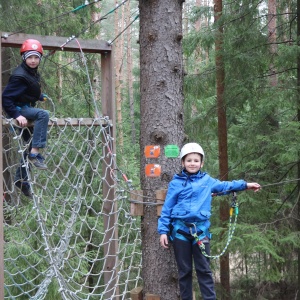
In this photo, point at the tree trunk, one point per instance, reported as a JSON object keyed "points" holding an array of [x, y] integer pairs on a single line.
{"points": [[222, 137], [272, 39], [119, 46], [161, 87], [271, 118], [129, 76], [96, 82], [298, 112], [198, 22]]}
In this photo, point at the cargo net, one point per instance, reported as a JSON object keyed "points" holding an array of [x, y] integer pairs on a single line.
{"points": [[71, 236]]}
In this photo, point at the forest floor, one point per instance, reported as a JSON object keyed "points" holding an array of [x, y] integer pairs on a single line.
{"points": [[266, 291]]}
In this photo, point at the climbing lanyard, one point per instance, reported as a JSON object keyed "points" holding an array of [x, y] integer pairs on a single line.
{"points": [[233, 209]]}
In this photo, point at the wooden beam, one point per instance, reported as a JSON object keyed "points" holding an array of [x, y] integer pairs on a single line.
{"points": [[160, 199], [55, 42], [108, 86], [136, 209], [136, 293], [108, 189], [152, 297], [62, 122]]}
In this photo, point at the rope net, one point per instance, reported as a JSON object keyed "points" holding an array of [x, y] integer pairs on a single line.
{"points": [[73, 238]]}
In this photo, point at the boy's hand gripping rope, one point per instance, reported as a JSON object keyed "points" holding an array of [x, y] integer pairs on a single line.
{"points": [[233, 208]]}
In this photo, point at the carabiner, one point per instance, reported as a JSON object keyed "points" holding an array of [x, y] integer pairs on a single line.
{"points": [[191, 230]]}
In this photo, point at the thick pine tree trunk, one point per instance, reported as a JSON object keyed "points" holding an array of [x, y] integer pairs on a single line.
{"points": [[161, 124]]}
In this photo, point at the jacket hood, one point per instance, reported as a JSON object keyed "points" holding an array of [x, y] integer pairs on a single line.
{"points": [[32, 71]]}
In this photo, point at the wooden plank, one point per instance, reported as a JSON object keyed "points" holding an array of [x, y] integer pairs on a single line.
{"points": [[108, 189], [78, 121], [9, 39], [160, 199], [152, 297], [136, 209], [62, 122], [136, 293], [108, 86]]}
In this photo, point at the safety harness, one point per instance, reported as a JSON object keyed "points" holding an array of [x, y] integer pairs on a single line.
{"points": [[199, 232]]}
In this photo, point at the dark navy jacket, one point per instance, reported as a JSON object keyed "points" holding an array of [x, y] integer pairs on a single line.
{"points": [[189, 198], [23, 88]]}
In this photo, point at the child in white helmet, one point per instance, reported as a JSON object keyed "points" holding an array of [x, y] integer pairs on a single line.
{"points": [[188, 205]]}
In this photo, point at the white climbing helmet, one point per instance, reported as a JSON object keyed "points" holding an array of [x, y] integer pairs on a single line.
{"points": [[191, 148]]}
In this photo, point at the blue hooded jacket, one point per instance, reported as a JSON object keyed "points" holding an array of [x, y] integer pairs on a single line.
{"points": [[189, 198]]}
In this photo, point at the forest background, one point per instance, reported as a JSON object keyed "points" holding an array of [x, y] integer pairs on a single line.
{"points": [[261, 63]]}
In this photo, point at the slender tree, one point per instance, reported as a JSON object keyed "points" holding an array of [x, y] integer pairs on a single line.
{"points": [[129, 75], [119, 50], [272, 39], [222, 137], [298, 116]]}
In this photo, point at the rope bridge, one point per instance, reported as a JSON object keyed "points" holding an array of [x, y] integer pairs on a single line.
{"points": [[75, 237]]}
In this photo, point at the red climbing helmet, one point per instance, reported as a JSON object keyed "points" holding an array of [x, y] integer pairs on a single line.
{"points": [[31, 45]]}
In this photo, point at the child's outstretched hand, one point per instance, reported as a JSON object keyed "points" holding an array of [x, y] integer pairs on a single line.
{"points": [[164, 241], [253, 186]]}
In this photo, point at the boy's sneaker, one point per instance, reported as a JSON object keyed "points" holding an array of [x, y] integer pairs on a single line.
{"points": [[37, 160], [25, 188]]}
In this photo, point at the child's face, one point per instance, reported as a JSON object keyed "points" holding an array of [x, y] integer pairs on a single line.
{"points": [[192, 162], [33, 61]]}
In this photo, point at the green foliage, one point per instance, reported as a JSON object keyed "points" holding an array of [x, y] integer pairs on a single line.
{"points": [[263, 133], [47, 17]]}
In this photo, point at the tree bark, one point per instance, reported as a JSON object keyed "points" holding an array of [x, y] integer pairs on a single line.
{"points": [[222, 138], [271, 118], [96, 82], [129, 76], [161, 87], [298, 114], [272, 39], [119, 49]]}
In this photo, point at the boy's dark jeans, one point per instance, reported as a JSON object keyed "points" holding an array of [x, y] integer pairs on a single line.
{"points": [[185, 252], [21, 173], [41, 119]]}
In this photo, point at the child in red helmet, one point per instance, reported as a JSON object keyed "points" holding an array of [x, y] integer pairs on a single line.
{"points": [[187, 208], [19, 99]]}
